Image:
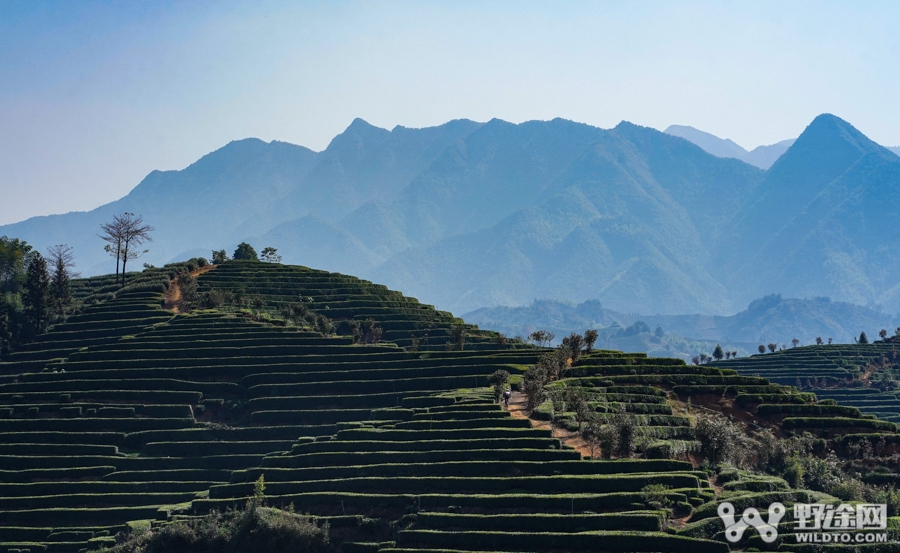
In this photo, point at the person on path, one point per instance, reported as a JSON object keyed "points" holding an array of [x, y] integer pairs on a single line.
{"points": [[506, 395]]}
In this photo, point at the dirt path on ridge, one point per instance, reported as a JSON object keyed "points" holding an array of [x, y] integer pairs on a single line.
{"points": [[518, 410], [173, 293]]}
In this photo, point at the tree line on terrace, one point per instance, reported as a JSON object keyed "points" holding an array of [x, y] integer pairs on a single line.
{"points": [[35, 291], [772, 347], [717, 354], [246, 252]]}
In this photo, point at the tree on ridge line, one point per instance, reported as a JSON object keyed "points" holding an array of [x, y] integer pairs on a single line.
{"points": [[245, 252], [124, 236]]}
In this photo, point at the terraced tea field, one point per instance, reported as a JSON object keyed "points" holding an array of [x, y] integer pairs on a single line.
{"points": [[131, 413], [856, 375]]}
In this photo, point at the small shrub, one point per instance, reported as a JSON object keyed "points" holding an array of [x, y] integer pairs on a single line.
{"points": [[655, 496]]}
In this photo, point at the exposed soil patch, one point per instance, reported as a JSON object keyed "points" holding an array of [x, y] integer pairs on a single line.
{"points": [[517, 408], [173, 293]]}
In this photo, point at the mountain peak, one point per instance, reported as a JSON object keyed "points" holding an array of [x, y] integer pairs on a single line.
{"points": [[836, 128], [359, 132], [825, 149], [360, 123]]}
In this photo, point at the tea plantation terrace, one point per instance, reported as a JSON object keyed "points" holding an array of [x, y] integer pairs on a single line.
{"points": [[473, 478], [183, 413], [649, 388], [848, 373], [134, 427], [340, 297]]}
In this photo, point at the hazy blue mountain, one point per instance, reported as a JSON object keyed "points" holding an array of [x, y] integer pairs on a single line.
{"points": [[620, 223], [198, 207], [470, 214], [719, 147], [363, 164], [766, 156], [494, 171], [248, 188], [761, 156], [320, 244], [766, 320], [822, 222], [895, 149]]}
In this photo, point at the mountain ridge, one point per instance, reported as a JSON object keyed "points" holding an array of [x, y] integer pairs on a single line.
{"points": [[765, 320], [469, 214], [761, 156]]}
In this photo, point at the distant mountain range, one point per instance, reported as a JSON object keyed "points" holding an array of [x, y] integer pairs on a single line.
{"points": [[767, 320], [761, 156], [467, 214]]}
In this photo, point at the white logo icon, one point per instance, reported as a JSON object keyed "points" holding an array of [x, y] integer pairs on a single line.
{"points": [[734, 530]]}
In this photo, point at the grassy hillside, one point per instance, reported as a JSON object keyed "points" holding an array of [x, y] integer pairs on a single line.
{"points": [[129, 415]]}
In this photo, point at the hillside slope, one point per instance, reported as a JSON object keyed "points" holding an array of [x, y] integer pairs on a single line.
{"points": [[386, 430]]}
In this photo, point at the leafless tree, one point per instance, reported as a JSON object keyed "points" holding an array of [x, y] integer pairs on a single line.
{"points": [[136, 233], [124, 236], [112, 235]]}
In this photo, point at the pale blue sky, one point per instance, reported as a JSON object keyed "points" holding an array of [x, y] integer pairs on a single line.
{"points": [[94, 95]]}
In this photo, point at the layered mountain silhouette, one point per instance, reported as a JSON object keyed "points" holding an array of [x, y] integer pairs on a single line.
{"points": [[761, 156], [771, 319], [470, 214]]}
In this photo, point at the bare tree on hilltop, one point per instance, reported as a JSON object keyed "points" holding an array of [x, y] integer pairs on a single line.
{"points": [[124, 237]]}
